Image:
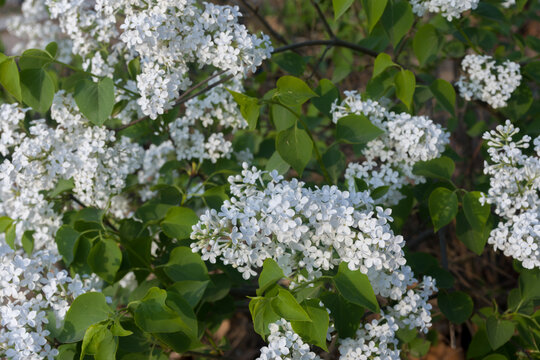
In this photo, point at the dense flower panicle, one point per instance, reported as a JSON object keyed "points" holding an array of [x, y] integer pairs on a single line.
{"points": [[314, 230], [31, 288], [284, 343], [450, 9], [515, 192], [11, 133], [389, 159], [168, 37], [73, 150], [488, 81]]}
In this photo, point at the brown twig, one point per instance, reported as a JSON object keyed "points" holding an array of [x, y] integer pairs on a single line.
{"points": [[332, 42]]}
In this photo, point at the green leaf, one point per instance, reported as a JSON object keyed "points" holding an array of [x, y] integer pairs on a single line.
{"points": [[290, 62], [178, 222], [34, 59], [405, 85], [356, 129], [276, 162], [528, 284], [95, 100], [191, 291], [477, 214], [499, 331], [495, 357], [438, 168], [346, 315], [249, 108], [105, 259], [328, 94], [37, 88], [87, 309], [520, 102], [286, 306], [99, 341], [532, 70], [292, 91], [335, 162], [61, 187], [10, 235], [184, 264], [52, 48], [425, 43], [313, 332], [443, 207], [374, 10], [118, 330], [355, 287], [154, 315], [152, 212], [397, 19], [263, 315], [5, 223], [456, 306], [382, 62], [475, 240], [66, 241], [28, 241], [479, 345], [9, 77], [270, 275], [282, 118], [340, 7], [445, 94], [295, 147]]}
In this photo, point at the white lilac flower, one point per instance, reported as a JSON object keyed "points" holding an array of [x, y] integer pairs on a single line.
{"points": [[284, 343], [30, 289], [168, 37], [514, 190], [91, 156], [389, 159], [450, 9], [488, 81]]}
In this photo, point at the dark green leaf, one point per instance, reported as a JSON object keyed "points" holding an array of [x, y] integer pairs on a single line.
{"points": [[355, 287], [184, 264], [276, 162], [95, 100], [313, 332], [405, 86], [499, 331], [346, 315], [476, 213], [105, 259], [28, 241], [438, 168], [356, 129], [191, 290], [37, 88], [374, 10], [66, 241], [328, 94], [475, 240], [249, 108], [456, 306], [443, 207], [292, 91], [178, 222], [286, 306], [425, 43], [295, 147], [290, 62], [270, 275], [445, 94], [263, 315], [529, 281], [87, 309], [34, 59], [397, 20]]}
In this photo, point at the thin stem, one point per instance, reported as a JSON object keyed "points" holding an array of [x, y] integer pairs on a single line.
{"points": [[466, 37], [182, 99], [265, 23], [317, 153], [323, 19], [332, 42]]}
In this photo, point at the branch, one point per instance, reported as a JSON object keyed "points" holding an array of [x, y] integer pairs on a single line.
{"points": [[184, 97], [323, 18], [265, 23], [332, 42]]}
